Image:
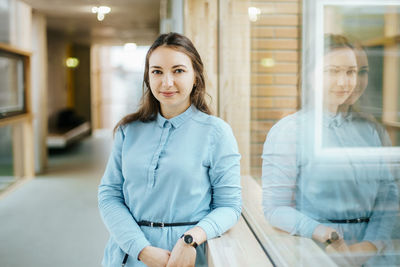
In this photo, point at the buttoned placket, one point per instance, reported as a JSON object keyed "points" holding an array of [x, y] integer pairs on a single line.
{"points": [[151, 177], [340, 129]]}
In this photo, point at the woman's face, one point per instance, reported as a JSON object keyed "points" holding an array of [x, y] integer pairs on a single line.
{"points": [[362, 77], [340, 76], [171, 78]]}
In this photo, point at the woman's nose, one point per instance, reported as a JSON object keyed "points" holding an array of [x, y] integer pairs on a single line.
{"points": [[341, 79], [168, 80]]}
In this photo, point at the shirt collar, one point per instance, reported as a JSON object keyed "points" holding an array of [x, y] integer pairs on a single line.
{"points": [[336, 120], [176, 121]]}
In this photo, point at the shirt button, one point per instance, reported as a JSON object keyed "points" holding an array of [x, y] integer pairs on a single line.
{"points": [[167, 124]]}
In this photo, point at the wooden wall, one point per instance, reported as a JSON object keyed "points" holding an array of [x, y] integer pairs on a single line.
{"points": [[220, 30], [275, 67], [201, 26]]}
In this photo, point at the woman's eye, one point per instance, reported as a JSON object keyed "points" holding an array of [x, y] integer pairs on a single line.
{"points": [[351, 72], [362, 72], [333, 71], [156, 72], [179, 71]]}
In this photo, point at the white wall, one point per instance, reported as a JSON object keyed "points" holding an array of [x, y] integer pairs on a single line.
{"points": [[20, 26]]}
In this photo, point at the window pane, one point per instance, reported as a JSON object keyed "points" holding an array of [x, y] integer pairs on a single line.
{"points": [[331, 166], [11, 84], [6, 158]]}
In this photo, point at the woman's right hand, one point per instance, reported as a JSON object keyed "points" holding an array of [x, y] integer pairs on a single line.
{"points": [[322, 233], [154, 257]]}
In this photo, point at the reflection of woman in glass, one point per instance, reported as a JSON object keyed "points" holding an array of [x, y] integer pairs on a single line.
{"points": [[343, 201], [173, 177]]}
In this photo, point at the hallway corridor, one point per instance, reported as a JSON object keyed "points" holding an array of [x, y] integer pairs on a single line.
{"points": [[53, 220]]}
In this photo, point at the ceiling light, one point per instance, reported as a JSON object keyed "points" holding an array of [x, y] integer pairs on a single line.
{"points": [[128, 47], [104, 9], [267, 62], [101, 11], [254, 13], [72, 62]]}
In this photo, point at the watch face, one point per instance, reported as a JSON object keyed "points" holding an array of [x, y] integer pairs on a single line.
{"points": [[334, 236], [188, 239]]}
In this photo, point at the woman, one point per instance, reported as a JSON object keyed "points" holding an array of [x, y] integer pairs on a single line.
{"points": [[342, 201], [173, 178]]}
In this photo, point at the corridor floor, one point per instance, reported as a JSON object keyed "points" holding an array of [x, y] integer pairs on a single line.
{"points": [[53, 220]]}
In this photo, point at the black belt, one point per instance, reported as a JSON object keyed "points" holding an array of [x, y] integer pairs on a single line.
{"points": [[157, 224], [161, 224], [357, 220]]}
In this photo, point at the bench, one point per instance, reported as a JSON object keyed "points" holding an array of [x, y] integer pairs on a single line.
{"points": [[63, 139]]}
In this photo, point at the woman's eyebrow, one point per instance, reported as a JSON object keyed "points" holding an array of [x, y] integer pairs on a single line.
{"points": [[179, 65], [155, 67], [339, 67]]}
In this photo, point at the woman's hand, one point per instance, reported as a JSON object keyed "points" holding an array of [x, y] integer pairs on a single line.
{"points": [[182, 255], [322, 233], [362, 252], [351, 255], [154, 257], [340, 253]]}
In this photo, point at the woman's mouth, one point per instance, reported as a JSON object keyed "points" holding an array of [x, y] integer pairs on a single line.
{"points": [[168, 94], [340, 93]]}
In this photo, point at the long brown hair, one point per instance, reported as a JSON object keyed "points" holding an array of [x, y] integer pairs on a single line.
{"points": [[149, 105], [336, 41]]}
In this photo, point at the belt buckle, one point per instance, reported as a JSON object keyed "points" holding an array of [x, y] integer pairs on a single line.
{"points": [[358, 220], [151, 224], [162, 225]]}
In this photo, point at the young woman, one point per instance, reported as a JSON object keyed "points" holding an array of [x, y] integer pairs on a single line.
{"points": [[342, 200], [173, 178]]}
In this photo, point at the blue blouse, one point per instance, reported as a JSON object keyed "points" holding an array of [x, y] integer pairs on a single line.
{"points": [[301, 191], [183, 169]]}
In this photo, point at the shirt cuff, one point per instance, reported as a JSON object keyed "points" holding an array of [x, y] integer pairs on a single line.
{"points": [[308, 228], [208, 228], [138, 246]]}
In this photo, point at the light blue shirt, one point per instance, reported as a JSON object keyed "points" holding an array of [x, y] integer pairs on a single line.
{"points": [[183, 169], [300, 191]]}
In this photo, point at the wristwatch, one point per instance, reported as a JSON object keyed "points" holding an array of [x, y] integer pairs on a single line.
{"points": [[188, 239], [332, 238]]}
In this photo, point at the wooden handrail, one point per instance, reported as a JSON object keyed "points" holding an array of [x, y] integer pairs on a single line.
{"points": [[283, 248], [237, 247]]}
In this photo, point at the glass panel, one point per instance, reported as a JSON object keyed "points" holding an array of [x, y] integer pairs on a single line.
{"points": [[4, 21], [6, 158], [360, 126], [11, 84], [331, 171], [125, 77]]}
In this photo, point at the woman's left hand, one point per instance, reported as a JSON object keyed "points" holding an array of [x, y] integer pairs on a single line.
{"points": [[353, 255], [182, 255]]}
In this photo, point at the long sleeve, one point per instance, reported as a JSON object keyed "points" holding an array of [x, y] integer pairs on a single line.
{"points": [[384, 212], [279, 180], [115, 214], [224, 176]]}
